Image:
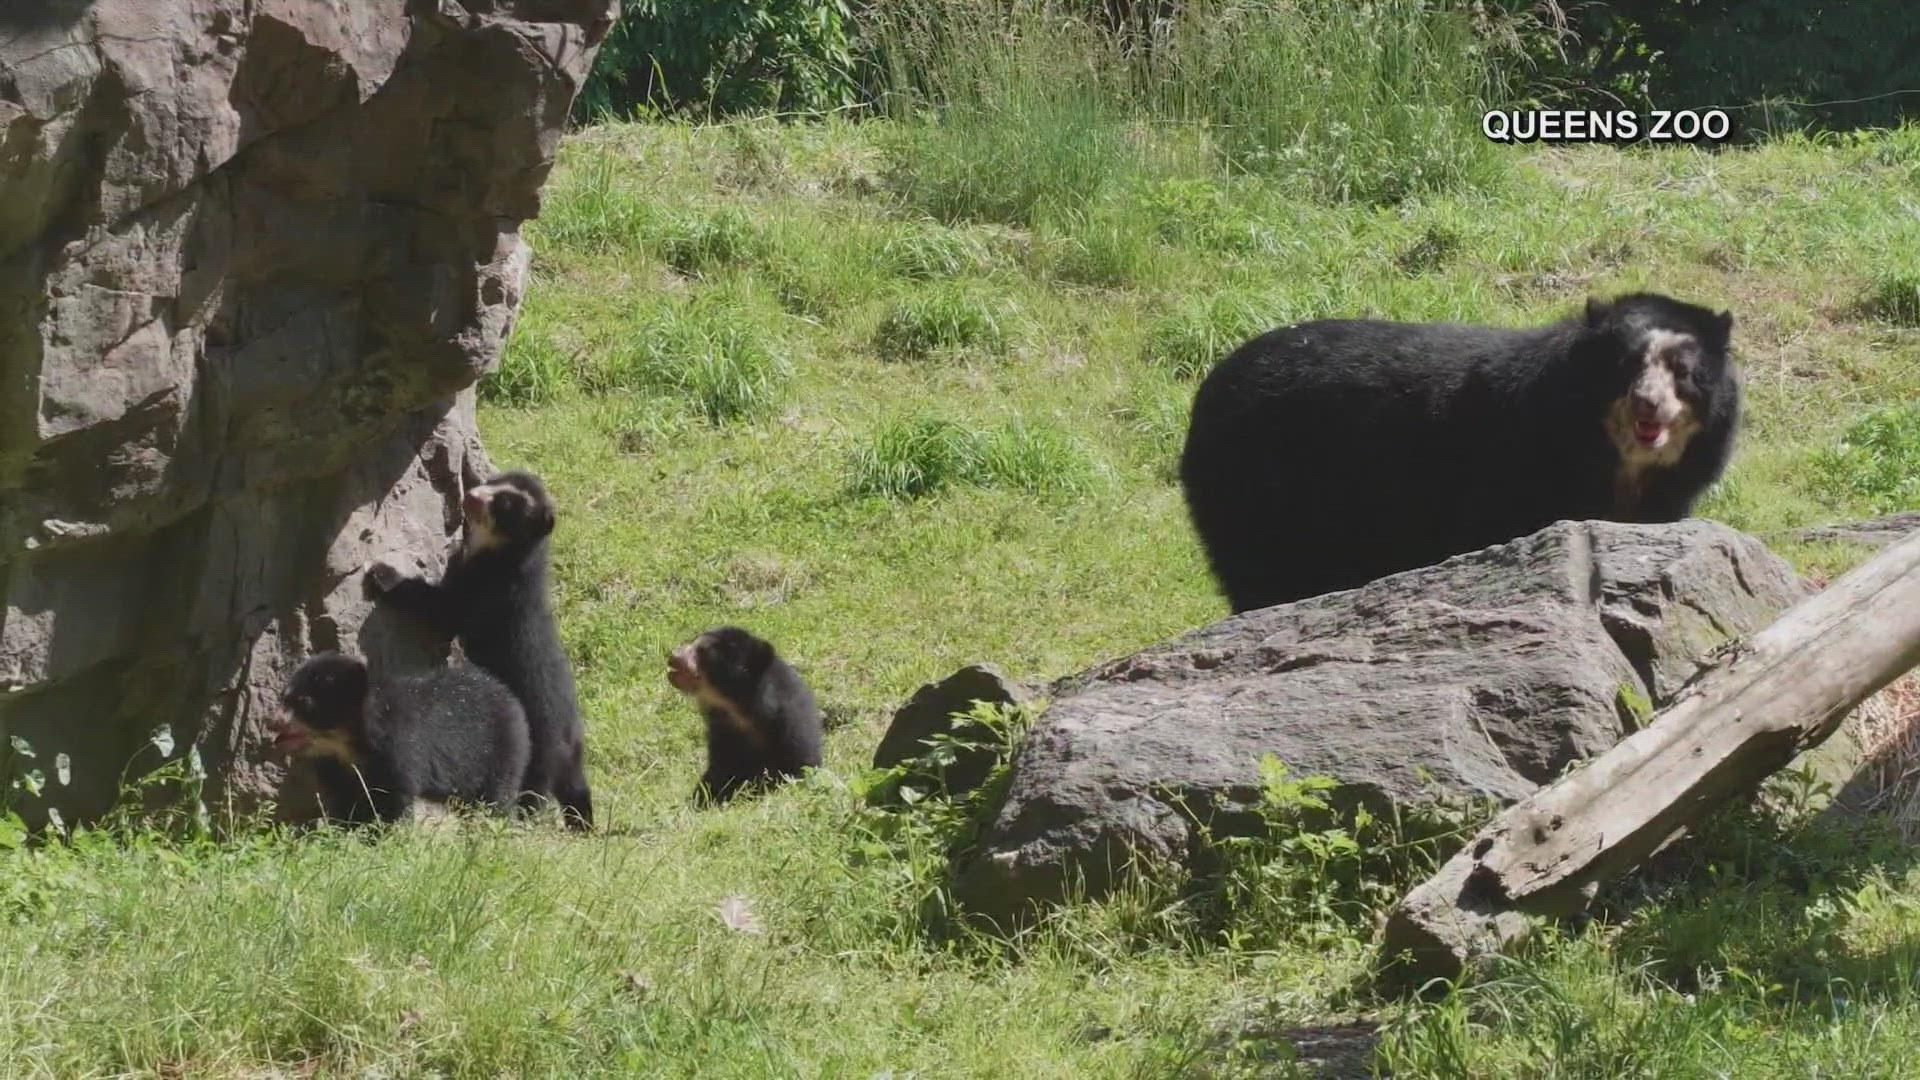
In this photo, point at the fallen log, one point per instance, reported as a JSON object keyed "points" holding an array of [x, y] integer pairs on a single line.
{"points": [[1766, 700]]}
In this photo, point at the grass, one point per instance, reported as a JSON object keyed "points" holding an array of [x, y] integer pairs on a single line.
{"points": [[941, 321], [918, 455], [704, 371], [1877, 462]]}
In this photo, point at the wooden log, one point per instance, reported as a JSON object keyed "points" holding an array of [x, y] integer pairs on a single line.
{"points": [[1767, 699]]}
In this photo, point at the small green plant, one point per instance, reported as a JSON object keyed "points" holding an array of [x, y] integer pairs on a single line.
{"points": [[713, 352], [979, 744], [1200, 331], [1155, 413], [1634, 706], [591, 206], [707, 243], [913, 456], [165, 799], [1320, 865], [1035, 458], [928, 251], [941, 321], [1431, 250], [536, 366], [1895, 297], [1876, 464], [23, 778], [1101, 247], [1195, 211], [1183, 209], [911, 819]]}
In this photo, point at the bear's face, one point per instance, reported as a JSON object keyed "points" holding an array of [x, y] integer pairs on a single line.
{"points": [[1666, 364], [721, 670], [1658, 409], [508, 511], [321, 708]]}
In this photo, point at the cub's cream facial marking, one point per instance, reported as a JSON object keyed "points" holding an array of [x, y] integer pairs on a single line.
{"points": [[683, 674], [476, 508], [683, 671], [292, 737], [1651, 424]]}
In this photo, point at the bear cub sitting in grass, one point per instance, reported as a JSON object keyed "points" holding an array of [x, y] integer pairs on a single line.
{"points": [[763, 726]]}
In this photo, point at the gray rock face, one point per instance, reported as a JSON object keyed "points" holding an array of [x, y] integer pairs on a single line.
{"points": [[1484, 676], [253, 255]]}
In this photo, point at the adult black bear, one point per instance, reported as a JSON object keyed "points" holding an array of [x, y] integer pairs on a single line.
{"points": [[381, 746], [763, 726], [1322, 456], [494, 598]]}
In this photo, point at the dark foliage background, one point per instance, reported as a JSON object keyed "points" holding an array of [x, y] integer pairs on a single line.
{"points": [[1783, 65]]}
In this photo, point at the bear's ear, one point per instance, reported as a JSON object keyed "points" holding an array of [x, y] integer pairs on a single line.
{"points": [[1723, 327], [1597, 312], [539, 521], [355, 681]]}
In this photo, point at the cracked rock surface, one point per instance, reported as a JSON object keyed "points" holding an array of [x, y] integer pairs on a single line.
{"points": [[253, 256], [1482, 677]]}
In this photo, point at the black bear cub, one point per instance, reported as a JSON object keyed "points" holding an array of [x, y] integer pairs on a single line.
{"points": [[379, 747], [494, 598], [762, 723], [1323, 456]]}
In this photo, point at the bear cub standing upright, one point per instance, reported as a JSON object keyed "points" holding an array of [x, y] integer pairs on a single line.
{"points": [[1325, 455], [493, 597]]}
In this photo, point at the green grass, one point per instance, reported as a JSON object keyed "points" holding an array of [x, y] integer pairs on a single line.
{"points": [[927, 323], [1877, 462], [704, 371], [912, 456], [1375, 102]]}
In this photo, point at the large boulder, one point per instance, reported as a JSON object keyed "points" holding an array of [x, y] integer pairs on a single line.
{"points": [[253, 256], [1480, 678]]}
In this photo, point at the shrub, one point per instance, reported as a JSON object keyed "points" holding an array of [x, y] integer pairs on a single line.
{"points": [[715, 57], [1372, 102], [1009, 109]]}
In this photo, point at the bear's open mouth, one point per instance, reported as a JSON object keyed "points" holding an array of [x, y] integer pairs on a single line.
{"points": [[1650, 433]]}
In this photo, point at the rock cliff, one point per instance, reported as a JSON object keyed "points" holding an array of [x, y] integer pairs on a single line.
{"points": [[253, 256]]}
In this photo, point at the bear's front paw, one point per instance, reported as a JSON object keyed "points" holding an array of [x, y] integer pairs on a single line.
{"points": [[382, 575]]}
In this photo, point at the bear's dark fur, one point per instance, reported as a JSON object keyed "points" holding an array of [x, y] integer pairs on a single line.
{"points": [[763, 726], [1323, 456], [380, 746], [494, 598]]}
